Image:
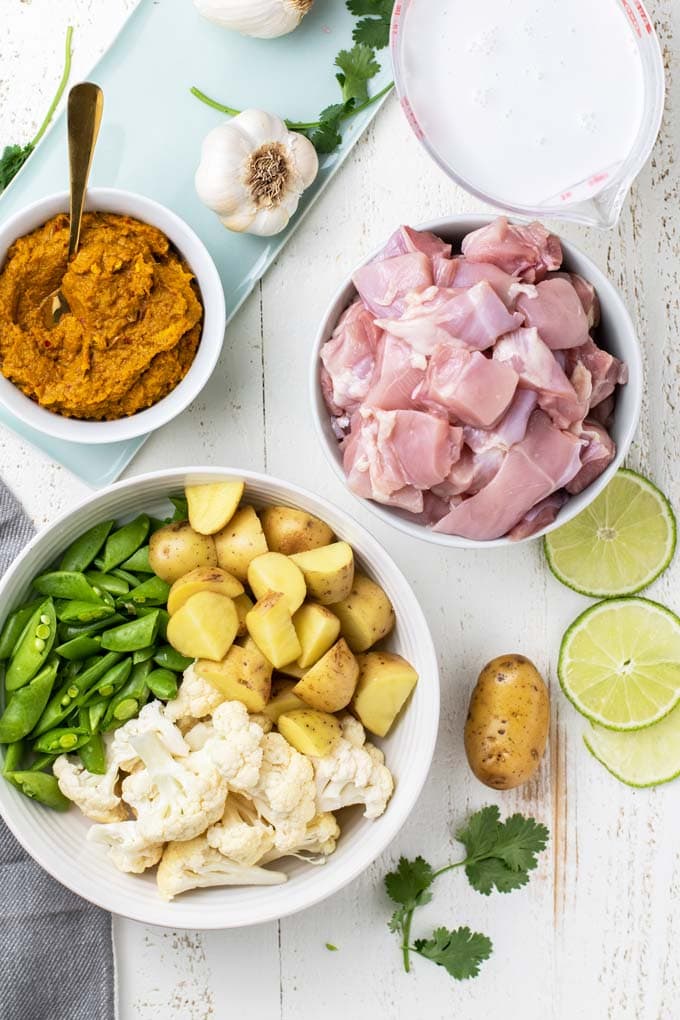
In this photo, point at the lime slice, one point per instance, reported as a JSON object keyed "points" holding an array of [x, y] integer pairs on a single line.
{"points": [[620, 663], [645, 758], [619, 544]]}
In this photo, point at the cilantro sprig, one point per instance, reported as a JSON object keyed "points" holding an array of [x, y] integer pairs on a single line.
{"points": [[499, 855], [14, 156], [356, 68]]}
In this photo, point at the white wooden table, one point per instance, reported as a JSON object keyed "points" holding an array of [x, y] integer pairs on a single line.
{"points": [[596, 933]]}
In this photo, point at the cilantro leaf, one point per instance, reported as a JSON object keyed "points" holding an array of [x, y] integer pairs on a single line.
{"points": [[481, 832], [460, 952], [11, 162], [374, 28], [491, 873], [500, 855], [357, 67], [409, 884], [519, 840]]}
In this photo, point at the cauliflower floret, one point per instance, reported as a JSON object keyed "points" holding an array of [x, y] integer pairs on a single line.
{"points": [[152, 719], [95, 795], [354, 773], [262, 720], [352, 730], [319, 841], [195, 864], [198, 734], [125, 846], [196, 698], [235, 750], [284, 794], [241, 835]]}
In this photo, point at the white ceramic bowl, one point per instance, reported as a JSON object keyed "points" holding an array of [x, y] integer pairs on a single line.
{"points": [[616, 334], [212, 295], [57, 841]]}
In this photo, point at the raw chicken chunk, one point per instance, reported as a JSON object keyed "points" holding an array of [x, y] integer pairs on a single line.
{"points": [[383, 285], [529, 252], [557, 313], [472, 389], [349, 359]]}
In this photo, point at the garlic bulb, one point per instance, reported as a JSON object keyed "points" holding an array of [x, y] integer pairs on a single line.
{"points": [[253, 172], [264, 19]]}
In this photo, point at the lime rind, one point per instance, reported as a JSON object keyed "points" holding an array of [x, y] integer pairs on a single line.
{"points": [[582, 522], [643, 758], [639, 683]]}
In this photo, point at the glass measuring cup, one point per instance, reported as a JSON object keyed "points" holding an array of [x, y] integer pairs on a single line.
{"points": [[595, 200]]}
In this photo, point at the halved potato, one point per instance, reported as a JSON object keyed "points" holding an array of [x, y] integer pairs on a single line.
{"points": [[243, 604], [202, 579], [310, 732], [329, 685], [291, 531], [385, 682], [204, 627], [292, 669], [270, 625], [366, 615], [240, 542], [284, 700], [328, 571], [212, 506], [276, 572], [317, 628], [176, 549], [243, 675]]}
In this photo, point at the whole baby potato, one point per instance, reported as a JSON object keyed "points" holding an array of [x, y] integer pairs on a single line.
{"points": [[177, 549], [291, 531], [507, 725]]}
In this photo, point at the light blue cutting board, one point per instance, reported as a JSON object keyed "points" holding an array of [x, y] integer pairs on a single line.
{"points": [[151, 137]]}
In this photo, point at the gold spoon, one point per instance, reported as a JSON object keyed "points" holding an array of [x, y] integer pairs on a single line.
{"points": [[84, 115]]}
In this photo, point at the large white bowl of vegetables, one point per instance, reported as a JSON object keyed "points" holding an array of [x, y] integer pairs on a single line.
{"points": [[222, 699]]}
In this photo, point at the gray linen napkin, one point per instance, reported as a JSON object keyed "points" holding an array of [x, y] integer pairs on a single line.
{"points": [[56, 954]]}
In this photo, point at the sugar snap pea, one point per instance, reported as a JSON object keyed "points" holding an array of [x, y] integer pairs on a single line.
{"points": [[40, 786], [162, 684], [130, 698], [125, 575], [108, 684], [142, 654], [43, 761], [163, 619], [61, 702], [168, 657], [61, 740], [66, 584], [181, 508], [107, 582], [27, 704], [14, 754], [83, 612], [14, 627], [138, 563], [74, 630], [79, 647], [133, 635], [123, 543], [96, 712], [33, 647], [82, 552], [154, 591], [93, 755]]}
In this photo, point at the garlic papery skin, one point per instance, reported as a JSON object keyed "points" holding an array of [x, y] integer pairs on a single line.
{"points": [[253, 172], [263, 19]]}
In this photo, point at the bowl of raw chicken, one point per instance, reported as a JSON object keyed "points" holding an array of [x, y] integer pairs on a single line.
{"points": [[290, 747], [476, 382]]}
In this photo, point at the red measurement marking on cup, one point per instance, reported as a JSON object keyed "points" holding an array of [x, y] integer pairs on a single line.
{"points": [[598, 178], [411, 118], [565, 196], [644, 17], [631, 17], [396, 17]]}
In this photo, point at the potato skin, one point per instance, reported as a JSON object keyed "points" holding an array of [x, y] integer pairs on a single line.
{"points": [[291, 531], [507, 725], [177, 549]]}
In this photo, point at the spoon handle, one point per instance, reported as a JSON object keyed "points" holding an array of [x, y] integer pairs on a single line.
{"points": [[85, 106]]}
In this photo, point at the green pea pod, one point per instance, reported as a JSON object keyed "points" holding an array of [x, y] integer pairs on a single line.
{"points": [[132, 636], [93, 755], [27, 704], [157, 523], [14, 754], [108, 582], [124, 542], [162, 684], [74, 630], [163, 619], [138, 563], [61, 702], [107, 685], [80, 647], [130, 698], [62, 740], [33, 647], [14, 627], [82, 552], [143, 654], [43, 761], [66, 584], [83, 612], [168, 657], [151, 592], [181, 508], [125, 575], [40, 786], [96, 712]]}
